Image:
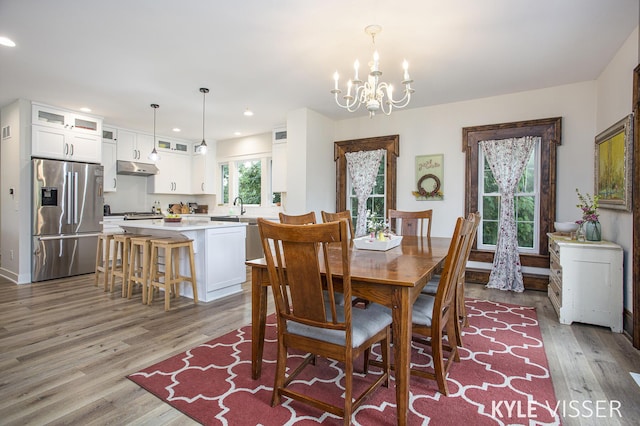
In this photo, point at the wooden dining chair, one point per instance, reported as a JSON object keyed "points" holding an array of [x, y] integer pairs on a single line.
{"points": [[346, 216], [303, 219], [435, 316], [333, 217], [432, 286], [298, 264], [411, 223]]}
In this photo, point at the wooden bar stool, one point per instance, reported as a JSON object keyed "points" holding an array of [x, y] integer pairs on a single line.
{"points": [[139, 258], [171, 277], [103, 257], [122, 247]]}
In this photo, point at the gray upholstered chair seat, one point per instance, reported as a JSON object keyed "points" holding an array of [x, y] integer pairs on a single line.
{"points": [[338, 296], [423, 310], [365, 322], [432, 286]]}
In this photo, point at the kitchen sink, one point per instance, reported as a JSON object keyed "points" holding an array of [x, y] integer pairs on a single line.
{"points": [[236, 218]]}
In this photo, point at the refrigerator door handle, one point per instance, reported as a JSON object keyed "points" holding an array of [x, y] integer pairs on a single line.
{"points": [[75, 197], [69, 198], [66, 237]]}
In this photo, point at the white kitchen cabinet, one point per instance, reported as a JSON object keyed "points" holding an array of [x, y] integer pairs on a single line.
{"points": [[174, 175], [109, 163], [57, 118], [203, 169], [65, 135], [173, 145], [134, 146], [585, 281], [109, 134]]}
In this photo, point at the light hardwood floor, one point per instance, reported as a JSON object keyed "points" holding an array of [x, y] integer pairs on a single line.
{"points": [[66, 347]]}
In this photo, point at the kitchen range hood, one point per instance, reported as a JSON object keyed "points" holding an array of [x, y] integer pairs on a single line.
{"points": [[134, 168]]}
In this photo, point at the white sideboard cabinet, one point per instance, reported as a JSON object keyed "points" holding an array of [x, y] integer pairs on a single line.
{"points": [[585, 281]]}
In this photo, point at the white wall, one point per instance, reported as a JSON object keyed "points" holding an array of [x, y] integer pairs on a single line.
{"points": [[615, 101], [15, 238], [438, 130]]}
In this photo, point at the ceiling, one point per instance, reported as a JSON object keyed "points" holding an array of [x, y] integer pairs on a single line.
{"points": [[119, 56]]}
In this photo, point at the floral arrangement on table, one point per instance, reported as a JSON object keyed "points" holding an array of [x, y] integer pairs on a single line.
{"points": [[589, 206], [376, 225]]}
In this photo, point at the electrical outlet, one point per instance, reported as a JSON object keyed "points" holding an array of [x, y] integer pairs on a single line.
{"points": [[11, 254]]}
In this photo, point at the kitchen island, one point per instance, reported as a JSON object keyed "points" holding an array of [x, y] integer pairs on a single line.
{"points": [[219, 249]]}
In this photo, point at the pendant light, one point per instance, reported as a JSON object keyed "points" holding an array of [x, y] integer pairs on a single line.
{"points": [[154, 154], [202, 148]]}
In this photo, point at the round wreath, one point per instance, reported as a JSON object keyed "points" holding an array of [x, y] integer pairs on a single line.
{"points": [[436, 187]]}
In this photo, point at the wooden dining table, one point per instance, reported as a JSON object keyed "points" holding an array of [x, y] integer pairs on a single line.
{"points": [[393, 278]]}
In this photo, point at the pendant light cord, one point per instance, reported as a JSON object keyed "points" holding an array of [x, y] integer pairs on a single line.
{"points": [[204, 94]]}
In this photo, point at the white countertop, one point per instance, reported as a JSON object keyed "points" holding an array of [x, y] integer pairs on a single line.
{"points": [[187, 224]]}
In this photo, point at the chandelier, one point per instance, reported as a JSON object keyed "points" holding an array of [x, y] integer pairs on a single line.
{"points": [[376, 95]]}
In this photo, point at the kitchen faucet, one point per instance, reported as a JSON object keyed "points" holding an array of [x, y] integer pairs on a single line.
{"points": [[242, 210]]}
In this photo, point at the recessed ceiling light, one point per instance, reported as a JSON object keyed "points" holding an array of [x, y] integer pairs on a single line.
{"points": [[248, 112], [237, 133], [6, 41], [85, 109], [175, 129]]}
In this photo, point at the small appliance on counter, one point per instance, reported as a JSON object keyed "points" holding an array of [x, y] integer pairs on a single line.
{"points": [[107, 210]]}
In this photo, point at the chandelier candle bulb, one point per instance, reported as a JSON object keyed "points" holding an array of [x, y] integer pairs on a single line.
{"points": [[405, 67], [349, 84], [336, 76], [356, 66]]}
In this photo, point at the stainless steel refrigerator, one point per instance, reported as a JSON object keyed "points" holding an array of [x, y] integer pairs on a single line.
{"points": [[67, 204]]}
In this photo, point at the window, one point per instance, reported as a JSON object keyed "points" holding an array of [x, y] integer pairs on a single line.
{"points": [[541, 174], [376, 203], [245, 178], [384, 192], [526, 205], [224, 173], [276, 197], [250, 181]]}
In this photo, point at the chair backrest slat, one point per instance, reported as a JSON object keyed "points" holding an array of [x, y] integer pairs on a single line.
{"points": [[343, 215], [411, 223], [303, 219]]}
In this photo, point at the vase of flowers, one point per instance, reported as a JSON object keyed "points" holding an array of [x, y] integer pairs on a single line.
{"points": [[589, 222]]}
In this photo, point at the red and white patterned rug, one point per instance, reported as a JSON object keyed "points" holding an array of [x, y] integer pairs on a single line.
{"points": [[502, 378]]}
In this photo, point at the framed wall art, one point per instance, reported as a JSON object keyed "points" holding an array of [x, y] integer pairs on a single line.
{"points": [[613, 157], [429, 177]]}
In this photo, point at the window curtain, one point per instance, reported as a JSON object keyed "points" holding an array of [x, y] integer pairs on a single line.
{"points": [[507, 159], [363, 169]]}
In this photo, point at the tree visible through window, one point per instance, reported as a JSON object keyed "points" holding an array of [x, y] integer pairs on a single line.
{"points": [[541, 176], [250, 181], [384, 192], [224, 172], [526, 205], [376, 203]]}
